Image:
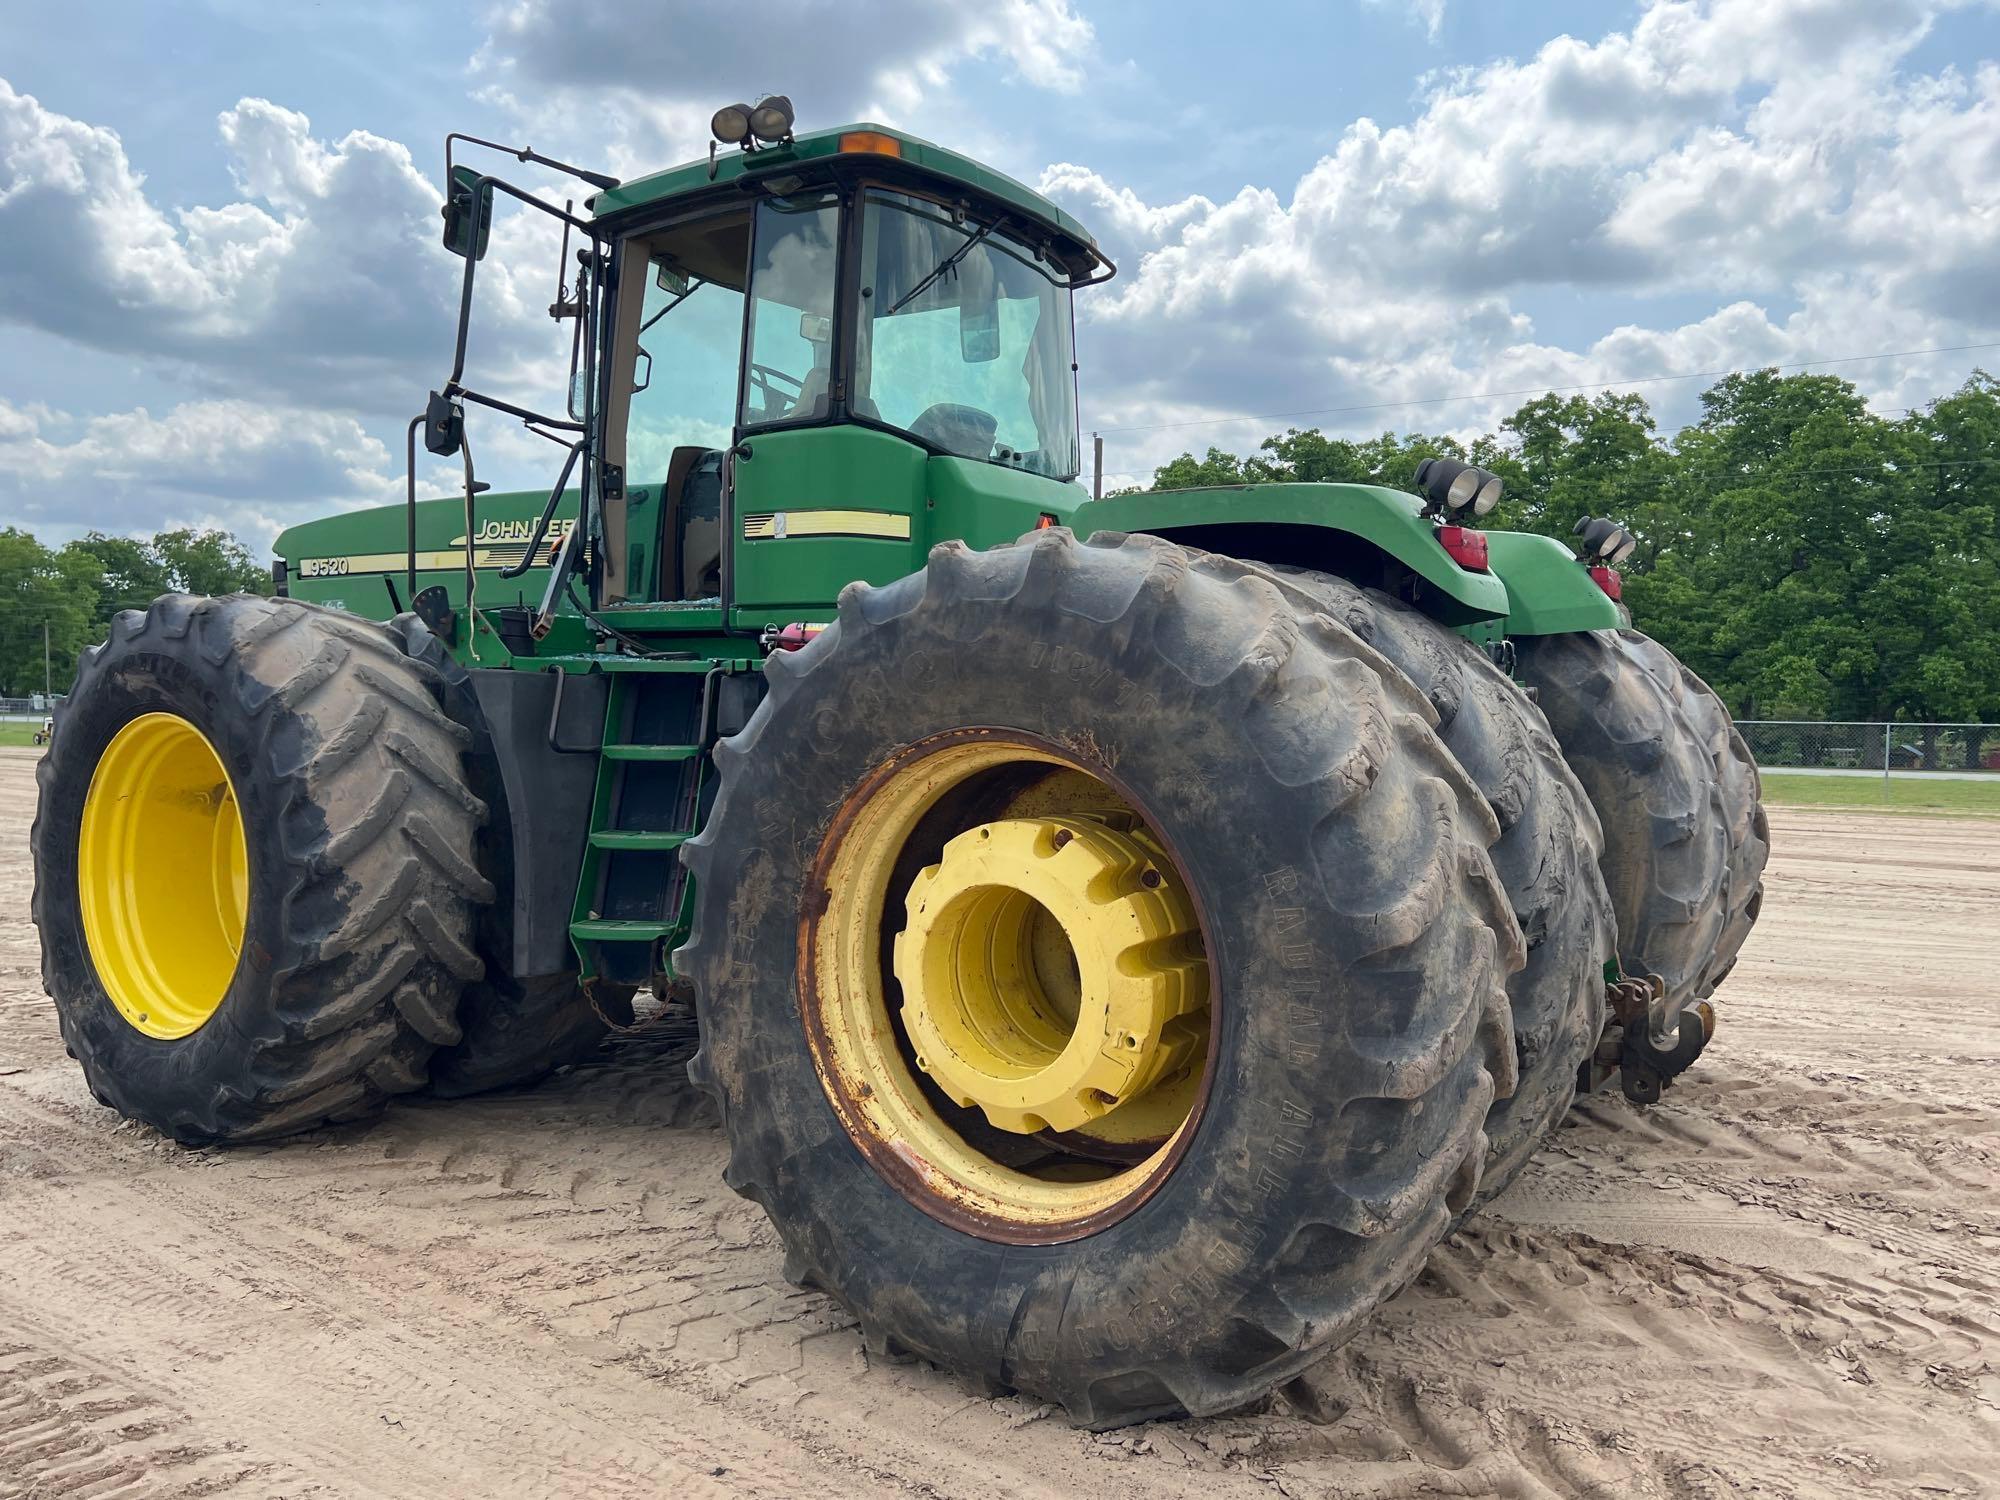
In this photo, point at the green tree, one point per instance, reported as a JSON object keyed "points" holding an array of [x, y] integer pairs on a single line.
{"points": [[209, 562], [1810, 558], [1189, 473], [47, 600], [133, 574]]}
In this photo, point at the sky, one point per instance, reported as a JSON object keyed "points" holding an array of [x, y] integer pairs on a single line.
{"points": [[222, 296]]}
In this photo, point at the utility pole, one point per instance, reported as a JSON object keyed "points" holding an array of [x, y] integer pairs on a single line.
{"points": [[46, 693], [1097, 466]]}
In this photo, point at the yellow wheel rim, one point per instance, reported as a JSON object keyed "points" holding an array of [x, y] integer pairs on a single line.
{"points": [[1011, 1014], [163, 875]]}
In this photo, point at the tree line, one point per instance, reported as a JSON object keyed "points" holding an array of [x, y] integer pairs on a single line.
{"points": [[61, 600], [1810, 558]]}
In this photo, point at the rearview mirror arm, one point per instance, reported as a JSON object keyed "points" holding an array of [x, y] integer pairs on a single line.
{"points": [[523, 154], [410, 496]]}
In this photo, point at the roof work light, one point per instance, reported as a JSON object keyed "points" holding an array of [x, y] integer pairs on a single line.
{"points": [[1451, 485], [771, 119], [1605, 541]]}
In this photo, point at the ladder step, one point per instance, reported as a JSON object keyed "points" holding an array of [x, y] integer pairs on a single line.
{"points": [[598, 930], [633, 838], [651, 752]]}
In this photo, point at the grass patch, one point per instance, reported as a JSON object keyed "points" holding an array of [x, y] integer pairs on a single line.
{"points": [[17, 734], [1902, 794]]}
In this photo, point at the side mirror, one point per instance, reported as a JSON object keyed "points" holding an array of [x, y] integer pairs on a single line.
{"points": [[468, 214]]}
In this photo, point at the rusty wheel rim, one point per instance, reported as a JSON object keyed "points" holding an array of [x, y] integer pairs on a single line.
{"points": [[1022, 1181]]}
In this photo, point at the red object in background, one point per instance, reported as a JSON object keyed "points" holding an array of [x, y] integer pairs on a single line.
{"points": [[790, 637], [1466, 546], [1609, 581]]}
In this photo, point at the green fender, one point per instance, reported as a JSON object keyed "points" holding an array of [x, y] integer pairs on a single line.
{"points": [[1548, 591], [1376, 537]]}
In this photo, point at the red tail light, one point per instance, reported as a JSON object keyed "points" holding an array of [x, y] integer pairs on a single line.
{"points": [[1609, 581], [1466, 546]]}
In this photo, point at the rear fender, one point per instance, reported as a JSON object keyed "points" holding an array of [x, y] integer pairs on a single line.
{"points": [[1548, 591], [1375, 537]]}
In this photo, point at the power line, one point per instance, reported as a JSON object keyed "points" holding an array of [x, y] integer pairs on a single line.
{"points": [[1543, 390], [1773, 473]]}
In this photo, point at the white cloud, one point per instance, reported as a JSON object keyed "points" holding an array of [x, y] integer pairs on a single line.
{"points": [[324, 280], [1769, 171], [1768, 154], [255, 466], [1427, 13], [611, 74]]}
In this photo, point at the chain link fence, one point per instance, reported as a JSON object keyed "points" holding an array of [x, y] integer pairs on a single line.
{"points": [[1884, 749], [26, 710]]}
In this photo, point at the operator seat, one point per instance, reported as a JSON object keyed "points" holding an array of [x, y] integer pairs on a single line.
{"points": [[964, 430], [692, 522]]}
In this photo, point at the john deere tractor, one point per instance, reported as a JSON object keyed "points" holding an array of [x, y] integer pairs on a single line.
{"points": [[1126, 935]]}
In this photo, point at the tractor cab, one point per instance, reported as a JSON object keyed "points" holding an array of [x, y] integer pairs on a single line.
{"points": [[801, 363]]}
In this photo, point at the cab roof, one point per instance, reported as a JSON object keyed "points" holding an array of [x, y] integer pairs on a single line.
{"points": [[862, 143]]}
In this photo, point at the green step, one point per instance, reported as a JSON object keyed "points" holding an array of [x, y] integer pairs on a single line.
{"points": [[632, 838], [599, 930], [651, 752]]}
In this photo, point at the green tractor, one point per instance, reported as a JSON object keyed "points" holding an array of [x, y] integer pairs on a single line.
{"points": [[1125, 935]]}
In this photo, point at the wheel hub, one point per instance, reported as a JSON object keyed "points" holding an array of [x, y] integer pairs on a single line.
{"points": [[1052, 973]]}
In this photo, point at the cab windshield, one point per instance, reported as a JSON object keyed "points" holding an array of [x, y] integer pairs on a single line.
{"points": [[964, 339]]}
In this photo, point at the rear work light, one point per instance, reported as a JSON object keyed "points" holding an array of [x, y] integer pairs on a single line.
{"points": [[1608, 580], [1466, 546]]}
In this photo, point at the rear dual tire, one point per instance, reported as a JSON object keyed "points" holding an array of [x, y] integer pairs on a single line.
{"points": [[1546, 857], [1738, 800], [1685, 837]]}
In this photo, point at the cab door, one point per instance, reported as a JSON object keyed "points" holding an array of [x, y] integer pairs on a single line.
{"points": [[815, 503], [816, 508]]}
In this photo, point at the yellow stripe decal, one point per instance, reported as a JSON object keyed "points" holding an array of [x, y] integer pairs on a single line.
{"points": [[450, 560], [779, 525]]}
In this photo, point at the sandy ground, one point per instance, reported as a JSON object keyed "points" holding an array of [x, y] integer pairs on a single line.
{"points": [[1784, 1280]]}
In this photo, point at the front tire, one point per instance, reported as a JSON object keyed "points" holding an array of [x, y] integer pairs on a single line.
{"points": [[1354, 935], [290, 761]]}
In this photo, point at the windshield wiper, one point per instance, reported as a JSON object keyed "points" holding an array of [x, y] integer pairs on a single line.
{"points": [[939, 269]]}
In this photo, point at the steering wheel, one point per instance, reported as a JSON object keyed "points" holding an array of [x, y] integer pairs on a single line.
{"points": [[770, 385]]}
